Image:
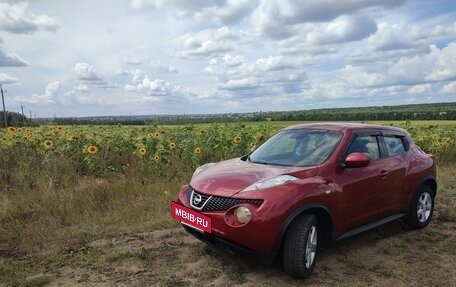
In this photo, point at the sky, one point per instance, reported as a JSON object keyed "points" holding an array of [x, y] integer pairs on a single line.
{"points": [[153, 57]]}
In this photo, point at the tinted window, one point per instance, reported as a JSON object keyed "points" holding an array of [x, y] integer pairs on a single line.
{"points": [[298, 147], [366, 144], [394, 145]]}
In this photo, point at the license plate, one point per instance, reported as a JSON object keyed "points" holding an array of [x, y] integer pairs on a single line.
{"points": [[191, 218]]}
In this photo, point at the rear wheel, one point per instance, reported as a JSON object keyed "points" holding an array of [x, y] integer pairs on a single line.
{"points": [[421, 207], [300, 246]]}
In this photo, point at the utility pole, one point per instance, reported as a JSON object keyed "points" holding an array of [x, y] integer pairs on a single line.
{"points": [[4, 110], [23, 117]]}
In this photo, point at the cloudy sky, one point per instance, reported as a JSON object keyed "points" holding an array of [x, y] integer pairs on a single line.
{"points": [[86, 58]]}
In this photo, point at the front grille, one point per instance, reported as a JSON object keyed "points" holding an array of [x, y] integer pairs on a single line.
{"points": [[216, 203]]}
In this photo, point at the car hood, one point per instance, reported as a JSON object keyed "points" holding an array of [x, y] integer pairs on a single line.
{"points": [[229, 177]]}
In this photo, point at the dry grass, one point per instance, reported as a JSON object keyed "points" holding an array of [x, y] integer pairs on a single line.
{"points": [[58, 227]]}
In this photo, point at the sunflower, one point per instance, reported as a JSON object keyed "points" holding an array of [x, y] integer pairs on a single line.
{"points": [[28, 135], [92, 149], [11, 129], [156, 158], [47, 144], [157, 135], [75, 138], [172, 145], [150, 135], [197, 150], [19, 129], [203, 132], [237, 139], [142, 150]]}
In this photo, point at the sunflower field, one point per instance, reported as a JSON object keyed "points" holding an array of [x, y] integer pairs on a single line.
{"points": [[168, 150], [159, 150]]}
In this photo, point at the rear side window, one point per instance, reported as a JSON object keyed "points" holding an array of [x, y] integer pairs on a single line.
{"points": [[395, 145]]}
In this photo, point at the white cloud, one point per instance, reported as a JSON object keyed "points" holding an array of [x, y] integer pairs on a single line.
{"points": [[82, 88], [11, 60], [86, 75], [154, 88], [193, 48], [443, 62], [420, 89], [450, 88], [222, 12], [131, 61], [158, 67], [6, 79], [343, 29], [49, 96], [279, 19], [16, 18], [86, 72]]}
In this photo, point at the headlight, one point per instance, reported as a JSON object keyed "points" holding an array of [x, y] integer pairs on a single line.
{"points": [[242, 214], [201, 168], [270, 182]]}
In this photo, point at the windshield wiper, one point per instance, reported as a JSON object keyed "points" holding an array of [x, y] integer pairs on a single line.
{"points": [[260, 162]]}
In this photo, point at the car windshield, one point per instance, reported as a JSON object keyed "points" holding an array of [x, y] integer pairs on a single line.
{"points": [[297, 147]]}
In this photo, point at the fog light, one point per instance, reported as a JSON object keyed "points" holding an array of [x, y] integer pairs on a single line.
{"points": [[242, 214]]}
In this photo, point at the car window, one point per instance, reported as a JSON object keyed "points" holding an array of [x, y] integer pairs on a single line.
{"points": [[298, 147], [285, 144], [394, 145], [366, 144]]}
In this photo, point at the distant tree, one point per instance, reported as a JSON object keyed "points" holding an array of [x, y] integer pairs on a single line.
{"points": [[15, 120]]}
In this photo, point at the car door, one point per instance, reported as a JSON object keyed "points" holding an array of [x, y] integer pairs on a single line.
{"points": [[396, 157], [362, 198]]}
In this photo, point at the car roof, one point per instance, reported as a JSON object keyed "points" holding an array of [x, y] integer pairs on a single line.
{"points": [[346, 127]]}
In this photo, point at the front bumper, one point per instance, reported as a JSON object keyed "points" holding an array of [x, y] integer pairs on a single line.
{"points": [[257, 237], [230, 247]]}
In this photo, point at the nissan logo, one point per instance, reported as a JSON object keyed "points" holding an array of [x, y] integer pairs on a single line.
{"points": [[197, 199]]}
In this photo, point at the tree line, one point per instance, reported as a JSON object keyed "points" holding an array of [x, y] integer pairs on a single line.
{"points": [[437, 111]]}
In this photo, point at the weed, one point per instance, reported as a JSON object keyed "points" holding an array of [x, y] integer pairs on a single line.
{"points": [[236, 273]]}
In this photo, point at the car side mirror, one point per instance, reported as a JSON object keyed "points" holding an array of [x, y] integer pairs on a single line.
{"points": [[356, 159]]}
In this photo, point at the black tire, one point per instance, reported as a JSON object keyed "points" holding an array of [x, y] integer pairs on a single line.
{"points": [[295, 251], [421, 207]]}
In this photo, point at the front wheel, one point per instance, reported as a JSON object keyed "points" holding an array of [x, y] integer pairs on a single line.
{"points": [[421, 207], [300, 246]]}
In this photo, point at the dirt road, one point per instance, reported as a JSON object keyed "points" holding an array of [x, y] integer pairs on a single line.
{"points": [[388, 256]]}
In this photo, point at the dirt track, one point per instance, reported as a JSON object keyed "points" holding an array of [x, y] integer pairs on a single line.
{"points": [[388, 256]]}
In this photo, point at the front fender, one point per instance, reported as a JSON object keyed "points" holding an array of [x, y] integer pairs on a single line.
{"points": [[324, 217]]}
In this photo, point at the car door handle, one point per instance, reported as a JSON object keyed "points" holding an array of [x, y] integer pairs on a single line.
{"points": [[384, 174]]}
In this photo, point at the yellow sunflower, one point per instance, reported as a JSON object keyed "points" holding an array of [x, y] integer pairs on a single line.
{"points": [[150, 135], [197, 150], [74, 138], [237, 139], [142, 150], [157, 135], [172, 145], [48, 144], [92, 149], [11, 129], [156, 158], [203, 132]]}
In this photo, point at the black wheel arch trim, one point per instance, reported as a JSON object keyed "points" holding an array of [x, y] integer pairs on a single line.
{"points": [[295, 214], [427, 178]]}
